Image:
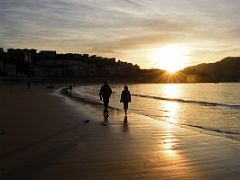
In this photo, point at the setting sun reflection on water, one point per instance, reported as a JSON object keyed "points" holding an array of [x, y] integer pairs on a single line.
{"points": [[211, 107], [171, 112], [171, 90]]}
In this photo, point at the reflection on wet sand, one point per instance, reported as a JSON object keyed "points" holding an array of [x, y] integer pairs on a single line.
{"points": [[125, 121], [105, 118], [169, 144], [125, 124]]}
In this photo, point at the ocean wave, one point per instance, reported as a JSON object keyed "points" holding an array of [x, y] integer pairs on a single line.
{"points": [[234, 135], [202, 103], [78, 97], [213, 130]]}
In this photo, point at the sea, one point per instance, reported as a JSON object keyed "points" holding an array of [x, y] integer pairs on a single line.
{"points": [[206, 107]]}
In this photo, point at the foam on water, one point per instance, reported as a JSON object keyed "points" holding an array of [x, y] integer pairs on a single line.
{"points": [[209, 107]]}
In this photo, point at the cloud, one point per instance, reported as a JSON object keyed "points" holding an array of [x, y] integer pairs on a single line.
{"points": [[116, 27]]}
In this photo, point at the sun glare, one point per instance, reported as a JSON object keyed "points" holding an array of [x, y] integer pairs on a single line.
{"points": [[171, 58]]}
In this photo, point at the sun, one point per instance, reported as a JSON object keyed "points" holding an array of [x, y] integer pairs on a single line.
{"points": [[171, 58]]}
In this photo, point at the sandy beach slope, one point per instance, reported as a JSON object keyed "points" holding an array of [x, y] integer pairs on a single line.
{"points": [[43, 136]]}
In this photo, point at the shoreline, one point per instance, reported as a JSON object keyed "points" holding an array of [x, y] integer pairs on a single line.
{"points": [[51, 137], [234, 136]]}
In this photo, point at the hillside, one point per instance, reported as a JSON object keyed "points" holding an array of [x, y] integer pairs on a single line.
{"points": [[225, 70]]}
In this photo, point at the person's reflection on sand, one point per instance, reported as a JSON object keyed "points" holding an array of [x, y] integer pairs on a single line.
{"points": [[125, 121], [105, 116], [125, 124]]}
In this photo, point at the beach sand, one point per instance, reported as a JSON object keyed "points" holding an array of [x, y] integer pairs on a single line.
{"points": [[44, 136]]}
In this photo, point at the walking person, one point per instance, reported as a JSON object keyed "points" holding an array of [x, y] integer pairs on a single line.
{"points": [[70, 88], [125, 99], [104, 94], [28, 84]]}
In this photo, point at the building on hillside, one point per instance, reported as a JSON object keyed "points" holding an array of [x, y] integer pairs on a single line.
{"points": [[47, 54], [64, 68], [24, 55]]}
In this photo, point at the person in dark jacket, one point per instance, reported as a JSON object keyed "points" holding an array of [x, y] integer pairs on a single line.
{"points": [[70, 88], [125, 98], [104, 94]]}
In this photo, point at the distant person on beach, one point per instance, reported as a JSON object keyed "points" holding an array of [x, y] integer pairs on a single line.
{"points": [[125, 98], [28, 84], [104, 94], [70, 88]]}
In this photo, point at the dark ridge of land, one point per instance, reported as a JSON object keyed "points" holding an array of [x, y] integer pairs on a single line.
{"points": [[47, 66], [225, 70]]}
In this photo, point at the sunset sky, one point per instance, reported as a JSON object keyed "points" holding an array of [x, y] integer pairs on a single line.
{"points": [[150, 33]]}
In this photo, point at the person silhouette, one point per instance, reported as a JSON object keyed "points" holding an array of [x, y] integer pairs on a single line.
{"points": [[28, 84], [104, 94], [70, 88], [125, 98]]}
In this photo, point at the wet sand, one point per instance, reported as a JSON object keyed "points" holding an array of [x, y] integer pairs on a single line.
{"points": [[43, 136]]}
